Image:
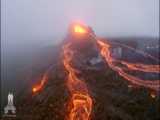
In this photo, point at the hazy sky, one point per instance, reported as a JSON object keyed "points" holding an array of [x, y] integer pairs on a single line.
{"points": [[43, 21]]}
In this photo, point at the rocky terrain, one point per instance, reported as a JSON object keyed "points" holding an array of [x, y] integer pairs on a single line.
{"points": [[113, 97]]}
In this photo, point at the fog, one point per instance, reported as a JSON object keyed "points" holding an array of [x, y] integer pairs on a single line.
{"points": [[28, 25], [43, 22]]}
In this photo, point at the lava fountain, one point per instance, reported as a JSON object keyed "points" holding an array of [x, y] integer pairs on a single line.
{"points": [[79, 29], [80, 104]]}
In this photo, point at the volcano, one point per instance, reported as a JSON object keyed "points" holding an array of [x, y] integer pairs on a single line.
{"points": [[81, 86]]}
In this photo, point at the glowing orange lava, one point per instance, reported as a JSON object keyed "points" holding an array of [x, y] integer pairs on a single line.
{"points": [[151, 84], [79, 29], [142, 67], [80, 104], [39, 86]]}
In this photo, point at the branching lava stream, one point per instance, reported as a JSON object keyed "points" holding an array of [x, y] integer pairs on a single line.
{"points": [[151, 84], [80, 104]]}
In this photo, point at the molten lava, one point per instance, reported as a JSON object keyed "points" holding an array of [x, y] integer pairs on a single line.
{"points": [[142, 67], [80, 104], [151, 84], [39, 86], [79, 29]]}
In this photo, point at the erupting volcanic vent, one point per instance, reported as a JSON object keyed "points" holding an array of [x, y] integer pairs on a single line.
{"points": [[79, 29], [80, 103]]}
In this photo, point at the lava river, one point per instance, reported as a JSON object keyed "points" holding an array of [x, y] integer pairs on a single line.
{"points": [[151, 84], [80, 103]]}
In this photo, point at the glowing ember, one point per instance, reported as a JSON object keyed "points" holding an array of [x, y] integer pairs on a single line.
{"points": [[79, 29], [153, 95], [39, 86], [34, 89], [80, 104]]}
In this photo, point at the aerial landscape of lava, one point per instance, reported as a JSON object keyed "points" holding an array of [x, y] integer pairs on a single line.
{"points": [[80, 103]]}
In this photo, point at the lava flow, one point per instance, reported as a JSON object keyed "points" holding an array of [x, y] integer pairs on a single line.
{"points": [[151, 84], [142, 67], [80, 104], [39, 86]]}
